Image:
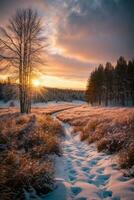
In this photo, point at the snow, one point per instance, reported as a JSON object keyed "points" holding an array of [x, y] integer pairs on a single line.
{"points": [[41, 107], [6, 104], [41, 104], [56, 103], [84, 174]]}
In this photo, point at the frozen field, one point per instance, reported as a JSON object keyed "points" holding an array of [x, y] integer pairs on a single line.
{"points": [[83, 173]]}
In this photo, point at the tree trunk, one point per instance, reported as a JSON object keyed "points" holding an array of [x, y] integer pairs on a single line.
{"points": [[106, 98], [132, 98], [122, 99], [99, 100]]}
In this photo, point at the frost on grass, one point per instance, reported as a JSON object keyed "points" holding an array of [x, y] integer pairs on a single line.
{"points": [[26, 143], [111, 128]]}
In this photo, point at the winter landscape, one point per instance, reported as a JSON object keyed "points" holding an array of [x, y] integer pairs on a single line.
{"points": [[66, 100], [74, 150]]}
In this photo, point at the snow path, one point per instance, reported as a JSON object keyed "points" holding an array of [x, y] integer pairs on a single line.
{"points": [[84, 174]]}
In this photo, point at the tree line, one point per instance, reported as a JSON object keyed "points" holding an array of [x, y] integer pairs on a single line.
{"points": [[9, 91], [56, 94], [112, 85]]}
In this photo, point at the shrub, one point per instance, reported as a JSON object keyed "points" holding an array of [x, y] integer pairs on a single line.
{"points": [[52, 126], [19, 172], [126, 157], [25, 162], [77, 129], [111, 143], [22, 120], [92, 125], [84, 136]]}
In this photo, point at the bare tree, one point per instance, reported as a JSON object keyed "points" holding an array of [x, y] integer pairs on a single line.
{"points": [[21, 44]]}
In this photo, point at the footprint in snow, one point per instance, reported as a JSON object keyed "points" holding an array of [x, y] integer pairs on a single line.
{"points": [[76, 190], [115, 198], [78, 162], [100, 170], [82, 198], [81, 154], [85, 169], [69, 150], [123, 179], [106, 193], [90, 181], [73, 172], [91, 176], [69, 160], [92, 162], [101, 180], [72, 178]]}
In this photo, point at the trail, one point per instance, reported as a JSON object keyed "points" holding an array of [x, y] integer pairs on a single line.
{"points": [[84, 174]]}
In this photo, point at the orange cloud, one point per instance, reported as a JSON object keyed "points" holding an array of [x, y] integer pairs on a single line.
{"points": [[58, 82]]}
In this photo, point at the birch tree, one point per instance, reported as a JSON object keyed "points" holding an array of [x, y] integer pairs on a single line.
{"points": [[21, 44]]}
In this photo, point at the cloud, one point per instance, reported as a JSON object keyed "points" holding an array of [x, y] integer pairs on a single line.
{"points": [[68, 68], [98, 30], [81, 33]]}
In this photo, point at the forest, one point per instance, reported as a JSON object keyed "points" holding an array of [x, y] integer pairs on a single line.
{"points": [[10, 91], [112, 85]]}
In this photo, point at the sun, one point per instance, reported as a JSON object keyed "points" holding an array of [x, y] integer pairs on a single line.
{"points": [[36, 83]]}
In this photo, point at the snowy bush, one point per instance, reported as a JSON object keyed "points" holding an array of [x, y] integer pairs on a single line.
{"points": [[26, 141]]}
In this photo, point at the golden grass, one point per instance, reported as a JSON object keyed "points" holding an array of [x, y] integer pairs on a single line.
{"points": [[112, 129], [26, 141], [126, 157]]}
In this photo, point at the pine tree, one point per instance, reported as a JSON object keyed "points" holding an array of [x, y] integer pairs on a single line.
{"points": [[112, 83]]}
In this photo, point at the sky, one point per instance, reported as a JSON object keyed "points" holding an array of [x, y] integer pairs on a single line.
{"points": [[81, 35]]}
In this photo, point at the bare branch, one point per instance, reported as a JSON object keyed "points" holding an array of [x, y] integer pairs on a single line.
{"points": [[2, 57], [10, 38]]}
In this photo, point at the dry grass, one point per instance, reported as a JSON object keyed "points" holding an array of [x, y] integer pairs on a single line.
{"points": [[111, 128], [112, 143], [26, 141], [126, 157], [22, 120]]}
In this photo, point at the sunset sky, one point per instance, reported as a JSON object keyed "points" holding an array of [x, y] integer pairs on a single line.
{"points": [[81, 35]]}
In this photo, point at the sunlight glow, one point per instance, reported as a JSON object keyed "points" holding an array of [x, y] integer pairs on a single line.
{"points": [[36, 83], [60, 82]]}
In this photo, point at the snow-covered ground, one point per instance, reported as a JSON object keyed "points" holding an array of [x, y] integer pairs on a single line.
{"points": [[84, 174], [40, 104], [43, 107], [54, 103], [7, 104]]}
